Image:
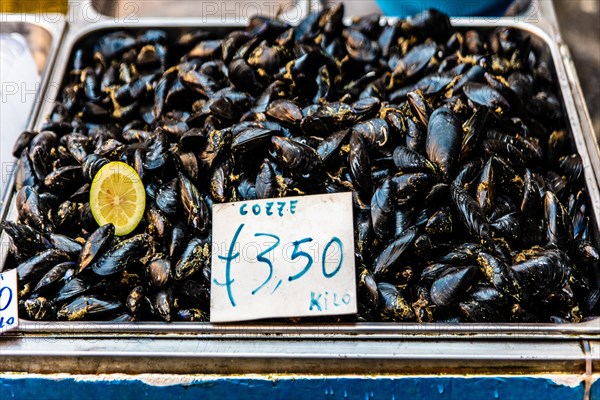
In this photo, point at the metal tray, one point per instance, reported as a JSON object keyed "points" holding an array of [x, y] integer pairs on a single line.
{"points": [[314, 331], [43, 35]]}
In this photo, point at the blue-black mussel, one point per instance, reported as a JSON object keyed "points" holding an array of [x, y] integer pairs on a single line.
{"points": [[469, 197]]}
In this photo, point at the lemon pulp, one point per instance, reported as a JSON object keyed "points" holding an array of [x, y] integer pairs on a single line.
{"points": [[117, 196]]}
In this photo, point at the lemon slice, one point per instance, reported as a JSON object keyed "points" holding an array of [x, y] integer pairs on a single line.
{"points": [[117, 196]]}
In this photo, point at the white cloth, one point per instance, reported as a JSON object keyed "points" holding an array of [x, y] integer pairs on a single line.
{"points": [[19, 83]]}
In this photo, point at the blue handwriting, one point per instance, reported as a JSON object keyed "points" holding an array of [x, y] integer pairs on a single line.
{"points": [[329, 252], [6, 297], [270, 208]]}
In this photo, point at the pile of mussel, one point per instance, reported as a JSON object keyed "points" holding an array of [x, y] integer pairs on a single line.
{"points": [[469, 197]]}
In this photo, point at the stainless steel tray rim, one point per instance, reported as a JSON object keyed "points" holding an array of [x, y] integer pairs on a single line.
{"points": [[374, 330]]}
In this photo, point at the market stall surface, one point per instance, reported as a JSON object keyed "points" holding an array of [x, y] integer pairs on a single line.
{"points": [[258, 387]]}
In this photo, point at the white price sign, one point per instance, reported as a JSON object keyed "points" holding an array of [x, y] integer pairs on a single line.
{"points": [[9, 304], [286, 257]]}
